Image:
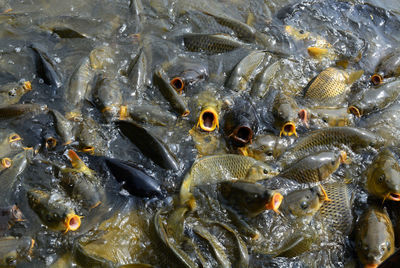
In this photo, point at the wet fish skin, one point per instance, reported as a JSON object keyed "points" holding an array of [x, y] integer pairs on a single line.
{"points": [[136, 181], [246, 70], [313, 168], [319, 140], [45, 67], [330, 116], [63, 126], [264, 79], [161, 80], [152, 114], [250, 198], [90, 136], [265, 147], [11, 143], [138, 72], [9, 215], [211, 44], [286, 114], [16, 110], [148, 144], [389, 66], [383, 175], [8, 177], [375, 99], [107, 96], [374, 236], [11, 93]]}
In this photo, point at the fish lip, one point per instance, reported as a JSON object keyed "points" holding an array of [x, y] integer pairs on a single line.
{"points": [[304, 116], [6, 162], [354, 110], [178, 84], [376, 79], [215, 121], [88, 150], [288, 129], [275, 202], [51, 142], [394, 196], [317, 52], [242, 135], [72, 222]]}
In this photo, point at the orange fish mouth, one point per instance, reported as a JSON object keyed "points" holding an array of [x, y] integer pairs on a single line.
{"points": [[376, 79], [6, 162], [178, 84], [354, 110], [242, 135], [275, 202], [304, 116], [88, 150], [72, 222], [288, 129], [208, 120], [14, 138], [394, 197], [51, 143]]}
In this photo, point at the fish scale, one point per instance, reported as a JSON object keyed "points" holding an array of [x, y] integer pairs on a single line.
{"points": [[337, 212], [328, 84]]}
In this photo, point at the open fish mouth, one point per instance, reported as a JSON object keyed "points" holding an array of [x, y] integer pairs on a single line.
{"points": [[288, 129], [275, 202], [208, 120], [51, 143], [178, 84], [354, 110], [6, 162], [242, 135], [88, 150], [394, 196], [72, 222], [376, 79]]}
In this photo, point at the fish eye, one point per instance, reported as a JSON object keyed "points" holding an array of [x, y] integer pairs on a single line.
{"points": [[12, 93], [333, 162], [381, 178], [301, 31], [304, 205], [388, 246], [10, 260], [265, 171], [269, 154]]}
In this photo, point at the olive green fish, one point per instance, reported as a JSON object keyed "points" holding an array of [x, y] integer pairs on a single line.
{"points": [[389, 66], [11, 93], [211, 43]]}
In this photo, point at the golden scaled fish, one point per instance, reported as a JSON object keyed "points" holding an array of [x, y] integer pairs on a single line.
{"points": [[219, 168], [250, 198], [374, 237], [211, 43], [264, 147], [331, 85], [383, 176], [314, 168], [54, 210], [209, 111], [389, 66], [330, 116], [11, 93]]}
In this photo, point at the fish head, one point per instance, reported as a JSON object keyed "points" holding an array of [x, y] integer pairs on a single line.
{"points": [[242, 135], [384, 181], [304, 202], [261, 171], [208, 119], [12, 92], [377, 79]]}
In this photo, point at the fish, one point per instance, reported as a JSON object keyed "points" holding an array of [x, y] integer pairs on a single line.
{"points": [[375, 99], [107, 97], [330, 116], [329, 138], [374, 237], [211, 43], [134, 180], [389, 66], [11, 143], [263, 80], [331, 85], [250, 198], [301, 205], [64, 127], [314, 168], [54, 210], [161, 80], [242, 30], [286, 113], [219, 168], [148, 144], [246, 70], [336, 214], [152, 114], [66, 32], [12, 92], [209, 111], [264, 147], [137, 73], [16, 110], [13, 249], [90, 136], [383, 175], [9, 216], [241, 123], [8, 177], [46, 67]]}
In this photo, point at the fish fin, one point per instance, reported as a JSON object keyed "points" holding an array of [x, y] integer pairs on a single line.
{"points": [[354, 76], [250, 19], [78, 164], [342, 63]]}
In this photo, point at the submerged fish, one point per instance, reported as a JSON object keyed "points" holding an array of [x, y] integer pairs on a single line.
{"points": [[331, 85], [16, 110], [383, 176], [389, 66], [374, 237], [13, 250], [11, 93]]}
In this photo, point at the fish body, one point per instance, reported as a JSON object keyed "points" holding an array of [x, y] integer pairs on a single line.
{"points": [[264, 79], [383, 176], [90, 136], [389, 66], [374, 237], [10, 143], [14, 249], [8, 177], [330, 86], [265, 147], [330, 117], [9, 216], [286, 114], [313, 168], [63, 126], [54, 210], [45, 67], [108, 97], [211, 43], [16, 110], [375, 99], [152, 114]]}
